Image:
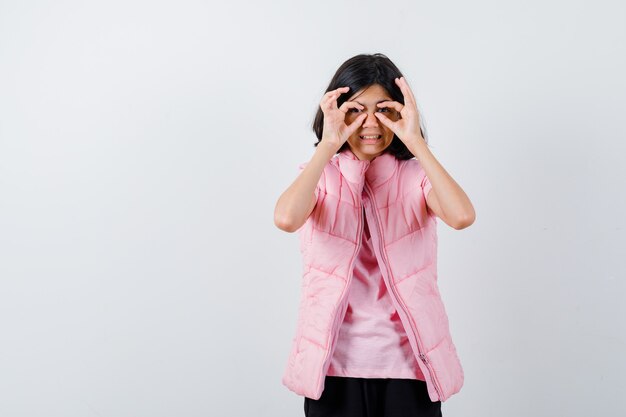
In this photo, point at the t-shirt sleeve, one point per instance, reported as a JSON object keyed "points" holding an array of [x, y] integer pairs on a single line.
{"points": [[426, 185], [424, 182]]}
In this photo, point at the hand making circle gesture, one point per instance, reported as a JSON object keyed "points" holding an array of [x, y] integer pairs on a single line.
{"points": [[335, 130], [407, 127]]}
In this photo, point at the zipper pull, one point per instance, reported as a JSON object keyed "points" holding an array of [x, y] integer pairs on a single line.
{"points": [[423, 357]]}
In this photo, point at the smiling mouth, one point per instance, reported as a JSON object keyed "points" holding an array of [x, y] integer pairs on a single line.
{"points": [[370, 137]]}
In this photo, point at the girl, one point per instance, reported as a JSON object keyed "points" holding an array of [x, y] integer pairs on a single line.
{"points": [[372, 337]]}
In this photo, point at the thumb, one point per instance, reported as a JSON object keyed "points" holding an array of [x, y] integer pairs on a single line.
{"points": [[386, 121], [352, 127]]}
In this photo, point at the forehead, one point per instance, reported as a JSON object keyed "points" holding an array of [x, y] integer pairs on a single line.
{"points": [[372, 94]]}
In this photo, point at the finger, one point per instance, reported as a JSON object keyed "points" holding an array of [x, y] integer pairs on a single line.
{"points": [[335, 93], [339, 90], [327, 100], [350, 105], [386, 121], [332, 95], [406, 91], [331, 102], [352, 127], [393, 104]]}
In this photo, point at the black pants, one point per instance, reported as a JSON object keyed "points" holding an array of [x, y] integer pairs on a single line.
{"points": [[372, 397]]}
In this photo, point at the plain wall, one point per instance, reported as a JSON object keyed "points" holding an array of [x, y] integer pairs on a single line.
{"points": [[143, 146]]}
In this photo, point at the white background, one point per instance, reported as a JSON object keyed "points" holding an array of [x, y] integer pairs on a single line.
{"points": [[143, 146]]}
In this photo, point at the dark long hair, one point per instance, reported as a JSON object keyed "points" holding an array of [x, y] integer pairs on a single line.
{"points": [[362, 71]]}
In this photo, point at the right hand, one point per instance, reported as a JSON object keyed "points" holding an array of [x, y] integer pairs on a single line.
{"points": [[335, 131]]}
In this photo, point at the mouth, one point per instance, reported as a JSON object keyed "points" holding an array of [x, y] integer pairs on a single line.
{"points": [[370, 137]]}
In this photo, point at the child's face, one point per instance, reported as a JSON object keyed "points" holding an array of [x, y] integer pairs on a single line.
{"points": [[368, 97]]}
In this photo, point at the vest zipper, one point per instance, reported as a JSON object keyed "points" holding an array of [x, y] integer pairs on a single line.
{"points": [[421, 353]]}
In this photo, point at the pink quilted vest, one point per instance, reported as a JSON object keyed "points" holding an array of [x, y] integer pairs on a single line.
{"points": [[404, 234]]}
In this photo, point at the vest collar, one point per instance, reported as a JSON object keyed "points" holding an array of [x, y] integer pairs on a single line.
{"points": [[374, 172]]}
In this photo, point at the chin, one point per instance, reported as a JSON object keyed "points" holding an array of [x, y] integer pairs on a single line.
{"points": [[373, 148], [369, 151]]}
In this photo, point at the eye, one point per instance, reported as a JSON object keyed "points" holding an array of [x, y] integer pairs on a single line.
{"points": [[353, 110], [384, 108]]}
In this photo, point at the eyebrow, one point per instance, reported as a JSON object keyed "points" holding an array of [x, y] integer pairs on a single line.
{"points": [[379, 101]]}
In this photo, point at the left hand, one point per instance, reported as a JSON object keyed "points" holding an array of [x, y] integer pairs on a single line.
{"points": [[407, 128]]}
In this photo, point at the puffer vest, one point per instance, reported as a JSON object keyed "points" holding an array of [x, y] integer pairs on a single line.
{"points": [[404, 236]]}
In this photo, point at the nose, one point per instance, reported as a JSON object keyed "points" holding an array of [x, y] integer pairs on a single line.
{"points": [[370, 121]]}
